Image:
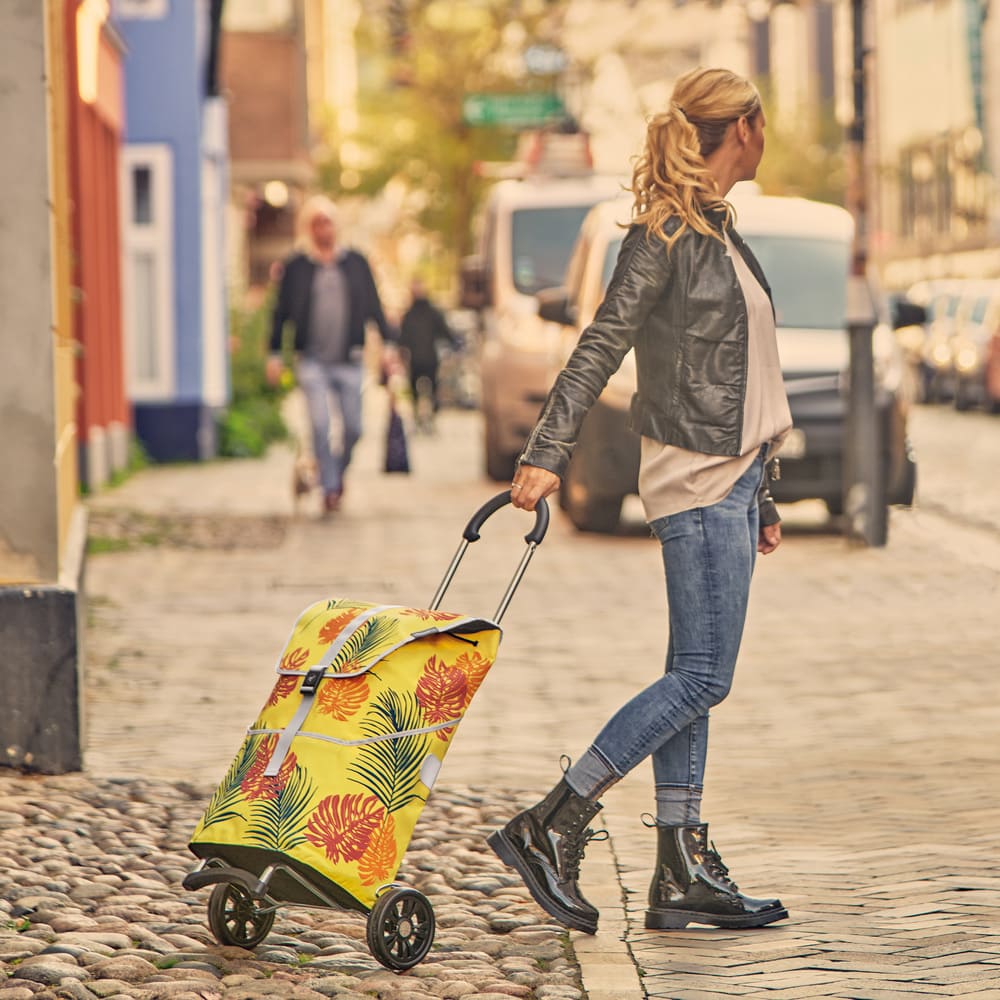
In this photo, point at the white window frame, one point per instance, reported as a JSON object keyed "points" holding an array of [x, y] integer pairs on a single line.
{"points": [[156, 240], [142, 10]]}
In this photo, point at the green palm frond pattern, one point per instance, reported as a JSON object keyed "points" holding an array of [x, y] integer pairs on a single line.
{"points": [[228, 794], [390, 768], [279, 823], [373, 636]]}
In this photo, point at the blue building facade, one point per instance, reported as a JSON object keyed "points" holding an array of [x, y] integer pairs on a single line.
{"points": [[174, 193]]}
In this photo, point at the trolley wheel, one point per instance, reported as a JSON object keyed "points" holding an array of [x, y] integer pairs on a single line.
{"points": [[400, 928], [234, 917]]}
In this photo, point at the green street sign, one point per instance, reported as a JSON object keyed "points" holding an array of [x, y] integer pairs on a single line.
{"points": [[515, 110]]}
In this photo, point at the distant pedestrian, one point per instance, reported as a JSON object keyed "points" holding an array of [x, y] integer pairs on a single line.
{"points": [[423, 328], [328, 293], [691, 300]]}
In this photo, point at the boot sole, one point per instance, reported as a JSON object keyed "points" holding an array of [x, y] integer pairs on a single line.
{"points": [[506, 852], [676, 919]]}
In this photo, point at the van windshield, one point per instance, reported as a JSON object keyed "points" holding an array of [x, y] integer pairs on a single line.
{"points": [[541, 243], [808, 279]]}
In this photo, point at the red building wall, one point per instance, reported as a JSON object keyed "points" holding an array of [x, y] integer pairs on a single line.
{"points": [[95, 134]]}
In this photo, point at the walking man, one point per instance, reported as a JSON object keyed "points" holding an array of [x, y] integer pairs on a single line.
{"points": [[328, 294]]}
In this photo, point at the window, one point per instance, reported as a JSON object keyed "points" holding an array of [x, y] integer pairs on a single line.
{"points": [[148, 273], [541, 242], [142, 9]]}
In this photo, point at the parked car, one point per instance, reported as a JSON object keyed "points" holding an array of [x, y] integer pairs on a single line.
{"points": [[943, 299], [804, 248], [977, 319], [527, 233]]}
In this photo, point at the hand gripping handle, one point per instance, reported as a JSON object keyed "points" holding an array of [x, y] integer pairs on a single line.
{"points": [[537, 533]]}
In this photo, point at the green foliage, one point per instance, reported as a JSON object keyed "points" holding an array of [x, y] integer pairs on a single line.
{"points": [[410, 107], [253, 419], [279, 823], [389, 767], [804, 157]]}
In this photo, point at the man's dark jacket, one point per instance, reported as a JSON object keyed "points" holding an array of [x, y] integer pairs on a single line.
{"points": [[295, 300], [685, 316]]}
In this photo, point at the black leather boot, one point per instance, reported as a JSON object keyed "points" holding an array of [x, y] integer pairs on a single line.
{"points": [[691, 884], [545, 845]]}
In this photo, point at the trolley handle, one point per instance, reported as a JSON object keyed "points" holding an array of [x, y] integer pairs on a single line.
{"points": [[471, 534], [537, 533]]}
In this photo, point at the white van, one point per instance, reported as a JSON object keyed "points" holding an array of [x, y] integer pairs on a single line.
{"points": [[528, 229], [804, 248]]}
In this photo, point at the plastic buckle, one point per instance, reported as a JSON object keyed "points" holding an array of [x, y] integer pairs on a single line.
{"points": [[311, 680]]}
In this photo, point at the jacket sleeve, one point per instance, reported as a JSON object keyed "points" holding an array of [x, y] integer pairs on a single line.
{"points": [[282, 310], [374, 311], [640, 277]]}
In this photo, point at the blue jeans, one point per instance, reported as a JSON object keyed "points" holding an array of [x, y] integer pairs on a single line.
{"points": [[339, 384], [708, 557]]}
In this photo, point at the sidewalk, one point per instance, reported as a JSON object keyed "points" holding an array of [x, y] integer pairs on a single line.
{"points": [[853, 769]]}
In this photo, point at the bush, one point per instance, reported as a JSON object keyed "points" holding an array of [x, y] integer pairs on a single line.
{"points": [[253, 419]]}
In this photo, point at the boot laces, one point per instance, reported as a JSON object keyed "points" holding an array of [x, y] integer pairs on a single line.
{"points": [[717, 867], [574, 844]]}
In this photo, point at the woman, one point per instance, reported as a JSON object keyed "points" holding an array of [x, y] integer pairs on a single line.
{"points": [[691, 300]]}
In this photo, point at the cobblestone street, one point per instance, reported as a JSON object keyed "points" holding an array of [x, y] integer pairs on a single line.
{"points": [[853, 770]]}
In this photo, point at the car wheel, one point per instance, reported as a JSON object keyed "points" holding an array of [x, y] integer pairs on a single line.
{"points": [[963, 397], [587, 511], [500, 465]]}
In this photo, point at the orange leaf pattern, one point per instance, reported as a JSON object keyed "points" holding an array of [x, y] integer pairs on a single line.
{"points": [[441, 691], [342, 698], [286, 685], [257, 785], [343, 825], [475, 666], [335, 625], [295, 659], [434, 616], [379, 860]]}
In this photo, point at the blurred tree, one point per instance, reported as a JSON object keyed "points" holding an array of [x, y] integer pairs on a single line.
{"points": [[804, 157], [417, 62]]}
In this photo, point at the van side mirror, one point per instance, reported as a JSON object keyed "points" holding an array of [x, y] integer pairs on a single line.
{"points": [[555, 307], [907, 313], [474, 287]]}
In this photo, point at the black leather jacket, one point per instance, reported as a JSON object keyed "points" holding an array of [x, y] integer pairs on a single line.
{"points": [[685, 316]]}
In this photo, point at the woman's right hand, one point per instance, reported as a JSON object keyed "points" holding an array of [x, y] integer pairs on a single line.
{"points": [[531, 483]]}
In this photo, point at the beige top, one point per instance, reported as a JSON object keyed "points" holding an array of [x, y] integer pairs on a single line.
{"points": [[673, 479]]}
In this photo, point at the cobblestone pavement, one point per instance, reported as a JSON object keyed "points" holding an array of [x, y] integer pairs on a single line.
{"points": [[853, 768]]}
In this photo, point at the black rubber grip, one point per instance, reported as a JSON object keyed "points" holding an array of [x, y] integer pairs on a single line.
{"points": [[537, 533]]}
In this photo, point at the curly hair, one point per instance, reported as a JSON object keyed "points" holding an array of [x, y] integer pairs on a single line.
{"points": [[671, 178]]}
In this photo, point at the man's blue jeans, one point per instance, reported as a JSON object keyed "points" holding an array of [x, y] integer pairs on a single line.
{"points": [[708, 556], [339, 384]]}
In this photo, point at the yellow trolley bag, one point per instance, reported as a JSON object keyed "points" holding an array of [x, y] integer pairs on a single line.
{"points": [[320, 802]]}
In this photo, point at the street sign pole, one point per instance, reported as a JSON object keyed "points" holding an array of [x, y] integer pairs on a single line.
{"points": [[865, 509]]}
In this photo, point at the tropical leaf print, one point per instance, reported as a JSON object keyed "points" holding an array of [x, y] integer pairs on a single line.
{"points": [[295, 659], [475, 666], [257, 785], [389, 767], [374, 636], [442, 692], [279, 822], [381, 857], [342, 826], [285, 686], [335, 625], [229, 793], [342, 698], [432, 616]]}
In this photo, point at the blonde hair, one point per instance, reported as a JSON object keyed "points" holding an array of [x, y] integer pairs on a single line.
{"points": [[671, 177], [317, 205]]}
